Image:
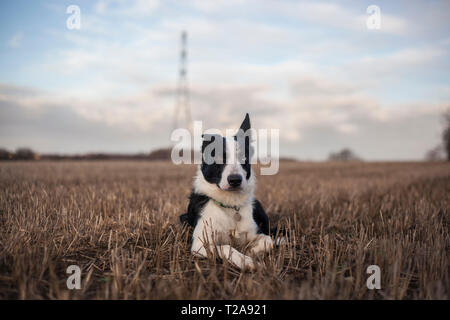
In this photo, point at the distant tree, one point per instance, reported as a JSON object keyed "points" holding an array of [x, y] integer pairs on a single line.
{"points": [[435, 154], [446, 133], [24, 154], [5, 154], [343, 155], [160, 154], [166, 154]]}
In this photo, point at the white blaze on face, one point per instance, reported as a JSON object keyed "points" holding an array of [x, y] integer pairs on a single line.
{"points": [[232, 165]]}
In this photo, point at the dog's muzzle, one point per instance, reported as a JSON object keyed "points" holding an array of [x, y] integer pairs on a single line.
{"points": [[234, 180]]}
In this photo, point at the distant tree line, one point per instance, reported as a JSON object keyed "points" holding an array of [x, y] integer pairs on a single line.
{"points": [[29, 154], [446, 133], [19, 154], [442, 150], [344, 155]]}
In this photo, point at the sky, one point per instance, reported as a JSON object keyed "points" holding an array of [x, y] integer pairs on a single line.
{"points": [[312, 69]]}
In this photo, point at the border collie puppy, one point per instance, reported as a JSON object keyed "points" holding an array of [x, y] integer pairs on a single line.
{"points": [[222, 208]]}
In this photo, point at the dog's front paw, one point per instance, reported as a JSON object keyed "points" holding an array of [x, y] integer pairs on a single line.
{"points": [[248, 264], [280, 241], [263, 243]]}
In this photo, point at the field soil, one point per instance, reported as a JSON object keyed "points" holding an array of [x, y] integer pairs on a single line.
{"points": [[118, 221]]}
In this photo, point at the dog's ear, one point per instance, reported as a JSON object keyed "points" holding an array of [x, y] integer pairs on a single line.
{"points": [[246, 123], [244, 131], [243, 137]]}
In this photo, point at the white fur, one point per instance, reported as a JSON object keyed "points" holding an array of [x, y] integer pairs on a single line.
{"points": [[217, 225], [232, 166]]}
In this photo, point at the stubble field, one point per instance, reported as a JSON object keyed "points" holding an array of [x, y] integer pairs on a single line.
{"points": [[118, 221]]}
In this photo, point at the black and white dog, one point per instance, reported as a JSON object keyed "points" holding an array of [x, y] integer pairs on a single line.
{"points": [[222, 208]]}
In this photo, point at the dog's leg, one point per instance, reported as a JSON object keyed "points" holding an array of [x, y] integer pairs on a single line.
{"points": [[238, 259], [227, 252], [262, 243]]}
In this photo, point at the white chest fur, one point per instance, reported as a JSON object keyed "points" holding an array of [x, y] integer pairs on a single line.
{"points": [[218, 220]]}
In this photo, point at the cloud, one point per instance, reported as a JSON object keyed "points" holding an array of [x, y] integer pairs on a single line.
{"points": [[312, 124], [400, 60], [293, 95], [127, 8], [333, 15], [16, 40], [59, 123], [311, 69], [61, 129], [215, 6], [401, 138]]}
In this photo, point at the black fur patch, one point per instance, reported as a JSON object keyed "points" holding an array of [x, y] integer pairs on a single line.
{"points": [[260, 217], [245, 151], [244, 156], [213, 172], [196, 203]]}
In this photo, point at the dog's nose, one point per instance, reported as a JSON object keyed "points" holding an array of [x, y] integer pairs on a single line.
{"points": [[234, 180]]}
